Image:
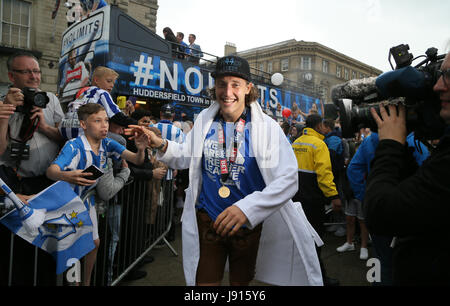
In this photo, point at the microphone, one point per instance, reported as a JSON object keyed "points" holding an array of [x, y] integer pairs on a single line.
{"points": [[356, 89], [403, 82]]}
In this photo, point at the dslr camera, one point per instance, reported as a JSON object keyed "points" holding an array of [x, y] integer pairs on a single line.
{"points": [[19, 149], [32, 97], [407, 85]]}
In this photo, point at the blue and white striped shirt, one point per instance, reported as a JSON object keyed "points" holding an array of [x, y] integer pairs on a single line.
{"points": [[169, 132], [100, 96], [77, 154], [70, 126]]}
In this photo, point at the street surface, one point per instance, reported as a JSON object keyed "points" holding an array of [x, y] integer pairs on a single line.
{"points": [[167, 269]]}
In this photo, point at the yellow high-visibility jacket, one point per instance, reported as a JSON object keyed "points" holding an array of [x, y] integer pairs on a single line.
{"points": [[314, 166]]}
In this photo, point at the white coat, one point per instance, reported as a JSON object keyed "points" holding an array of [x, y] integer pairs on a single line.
{"points": [[286, 254]]}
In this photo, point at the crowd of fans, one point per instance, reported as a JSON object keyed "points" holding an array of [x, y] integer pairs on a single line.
{"points": [[340, 166], [146, 167], [32, 160]]}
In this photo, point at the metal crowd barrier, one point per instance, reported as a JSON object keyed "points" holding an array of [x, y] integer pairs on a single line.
{"points": [[143, 224], [130, 225]]}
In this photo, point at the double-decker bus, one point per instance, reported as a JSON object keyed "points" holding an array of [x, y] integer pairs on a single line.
{"points": [[151, 70]]}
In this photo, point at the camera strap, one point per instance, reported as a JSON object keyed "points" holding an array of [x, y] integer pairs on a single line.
{"points": [[27, 129], [19, 149]]}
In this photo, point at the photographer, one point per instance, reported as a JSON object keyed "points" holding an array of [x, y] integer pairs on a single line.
{"points": [[397, 206], [41, 140], [28, 144]]}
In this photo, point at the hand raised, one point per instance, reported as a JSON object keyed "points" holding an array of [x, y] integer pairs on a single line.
{"points": [[142, 141], [14, 96], [135, 131], [159, 173], [6, 110], [392, 125]]}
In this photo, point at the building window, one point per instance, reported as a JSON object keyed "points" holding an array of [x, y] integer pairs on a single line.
{"points": [[285, 64], [339, 71], [346, 73], [269, 67], [261, 67], [353, 75], [306, 63], [325, 66], [15, 25], [362, 75]]}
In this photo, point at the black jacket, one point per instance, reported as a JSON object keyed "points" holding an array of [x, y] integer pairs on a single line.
{"points": [[416, 209]]}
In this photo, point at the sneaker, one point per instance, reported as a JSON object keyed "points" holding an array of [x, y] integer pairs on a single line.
{"points": [[346, 247], [341, 231], [364, 254]]}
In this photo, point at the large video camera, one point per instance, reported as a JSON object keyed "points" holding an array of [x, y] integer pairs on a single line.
{"points": [[32, 97], [407, 85]]}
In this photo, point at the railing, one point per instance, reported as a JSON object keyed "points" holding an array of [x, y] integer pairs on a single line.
{"points": [[207, 59], [130, 225]]}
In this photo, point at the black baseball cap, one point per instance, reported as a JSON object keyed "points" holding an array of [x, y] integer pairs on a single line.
{"points": [[232, 65], [122, 120], [168, 109]]}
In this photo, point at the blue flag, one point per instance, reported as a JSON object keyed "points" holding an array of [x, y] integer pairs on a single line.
{"points": [[67, 229]]}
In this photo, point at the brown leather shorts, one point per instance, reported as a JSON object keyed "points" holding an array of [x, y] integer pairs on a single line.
{"points": [[241, 250]]}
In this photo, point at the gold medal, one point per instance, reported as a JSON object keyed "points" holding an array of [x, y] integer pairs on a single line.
{"points": [[224, 192]]}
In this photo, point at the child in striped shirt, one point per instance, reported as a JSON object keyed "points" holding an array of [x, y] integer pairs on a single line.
{"points": [[91, 148], [103, 80]]}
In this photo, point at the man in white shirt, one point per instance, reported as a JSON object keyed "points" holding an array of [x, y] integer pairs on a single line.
{"points": [[35, 147]]}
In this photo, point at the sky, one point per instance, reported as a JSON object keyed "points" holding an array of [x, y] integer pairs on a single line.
{"points": [[362, 29]]}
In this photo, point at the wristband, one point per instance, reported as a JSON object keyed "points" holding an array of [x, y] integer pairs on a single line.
{"points": [[162, 145]]}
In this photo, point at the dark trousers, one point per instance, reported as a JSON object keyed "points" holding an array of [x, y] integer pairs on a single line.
{"points": [[384, 252], [315, 213]]}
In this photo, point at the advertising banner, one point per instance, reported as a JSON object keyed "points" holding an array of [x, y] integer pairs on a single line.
{"points": [[146, 73]]}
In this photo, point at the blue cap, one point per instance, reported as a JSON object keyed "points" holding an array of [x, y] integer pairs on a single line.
{"points": [[168, 109]]}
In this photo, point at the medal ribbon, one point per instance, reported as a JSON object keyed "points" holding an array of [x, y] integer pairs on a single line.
{"points": [[225, 166]]}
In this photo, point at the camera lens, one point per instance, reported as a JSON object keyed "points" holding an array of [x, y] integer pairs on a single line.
{"points": [[41, 99]]}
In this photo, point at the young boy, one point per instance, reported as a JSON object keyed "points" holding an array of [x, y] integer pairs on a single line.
{"points": [[92, 148], [103, 80]]}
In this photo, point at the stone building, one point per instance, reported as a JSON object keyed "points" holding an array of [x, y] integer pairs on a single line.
{"points": [[309, 66], [28, 25]]}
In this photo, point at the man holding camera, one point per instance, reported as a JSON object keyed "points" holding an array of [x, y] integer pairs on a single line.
{"points": [[29, 142], [397, 206], [39, 143]]}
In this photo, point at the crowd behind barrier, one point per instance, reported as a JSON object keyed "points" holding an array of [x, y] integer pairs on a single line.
{"points": [[141, 215], [141, 229]]}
